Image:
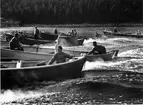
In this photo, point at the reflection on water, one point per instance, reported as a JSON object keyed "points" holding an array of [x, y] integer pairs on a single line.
{"points": [[130, 58]]}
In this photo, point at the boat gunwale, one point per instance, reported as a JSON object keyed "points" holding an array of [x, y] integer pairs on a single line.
{"points": [[46, 41], [98, 55]]}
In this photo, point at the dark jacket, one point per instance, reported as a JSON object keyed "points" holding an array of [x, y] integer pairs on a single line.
{"points": [[36, 33], [98, 50], [14, 44]]}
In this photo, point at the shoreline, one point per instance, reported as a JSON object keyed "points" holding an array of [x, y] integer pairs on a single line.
{"points": [[89, 25], [78, 25]]}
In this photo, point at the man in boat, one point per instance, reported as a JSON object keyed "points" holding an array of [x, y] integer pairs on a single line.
{"points": [[74, 32], [98, 49], [139, 32], [14, 43], [60, 56], [56, 31], [115, 29], [36, 33]]}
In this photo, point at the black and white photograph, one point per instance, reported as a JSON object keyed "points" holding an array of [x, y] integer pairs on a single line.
{"points": [[71, 52]]}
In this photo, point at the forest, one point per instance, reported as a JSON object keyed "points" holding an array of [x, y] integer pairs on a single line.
{"points": [[72, 11]]}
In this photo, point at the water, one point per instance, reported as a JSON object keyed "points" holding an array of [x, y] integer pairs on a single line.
{"points": [[90, 90]]}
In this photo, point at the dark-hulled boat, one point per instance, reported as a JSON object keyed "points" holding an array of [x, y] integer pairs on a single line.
{"points": [[48, 36], [113, 34], [28, 40], [108, 56], [28, 71], [80, 41], [31, 41]]}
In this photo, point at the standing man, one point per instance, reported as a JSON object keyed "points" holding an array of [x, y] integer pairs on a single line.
{"points": [[98, 49], [56, 31], [36, 33]]}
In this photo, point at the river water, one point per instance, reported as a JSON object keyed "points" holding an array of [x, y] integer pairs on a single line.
{"points": [[99, 89]]}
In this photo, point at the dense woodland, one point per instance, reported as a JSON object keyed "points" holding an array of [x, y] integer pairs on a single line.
{"points": [[72, 11]]}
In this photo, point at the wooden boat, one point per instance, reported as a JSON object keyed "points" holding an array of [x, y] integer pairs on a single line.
{"points": [[28, 71], [48, 36], [28, 40], [113, 34], [7, 54], [80, 41], [46, 49], [108, 56], [31, 41], [69, 40]]}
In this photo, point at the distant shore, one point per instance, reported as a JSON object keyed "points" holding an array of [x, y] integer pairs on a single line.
{"points": [[78, 25], [89, 25]]}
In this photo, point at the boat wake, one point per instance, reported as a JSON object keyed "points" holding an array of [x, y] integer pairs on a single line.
{"points": [[130, 60], [30, 91], [11, 95]]}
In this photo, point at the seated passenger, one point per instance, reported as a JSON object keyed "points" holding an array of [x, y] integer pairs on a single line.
{"points": [[14, 43], [59, 57], [98, 49], [74, 32], [115, 29], [139, 32]]}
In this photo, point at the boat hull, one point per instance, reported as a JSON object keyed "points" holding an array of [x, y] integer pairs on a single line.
{"points": [[20, 76], [69, 40], [48, 36], [7, 54], [109, 56], [112, 34], [31, 41]]}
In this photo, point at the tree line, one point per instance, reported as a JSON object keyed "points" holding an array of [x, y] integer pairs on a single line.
{"points": [[72, 11]]}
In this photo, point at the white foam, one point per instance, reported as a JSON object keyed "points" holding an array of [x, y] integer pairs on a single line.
{"points": [[10, 95]]}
